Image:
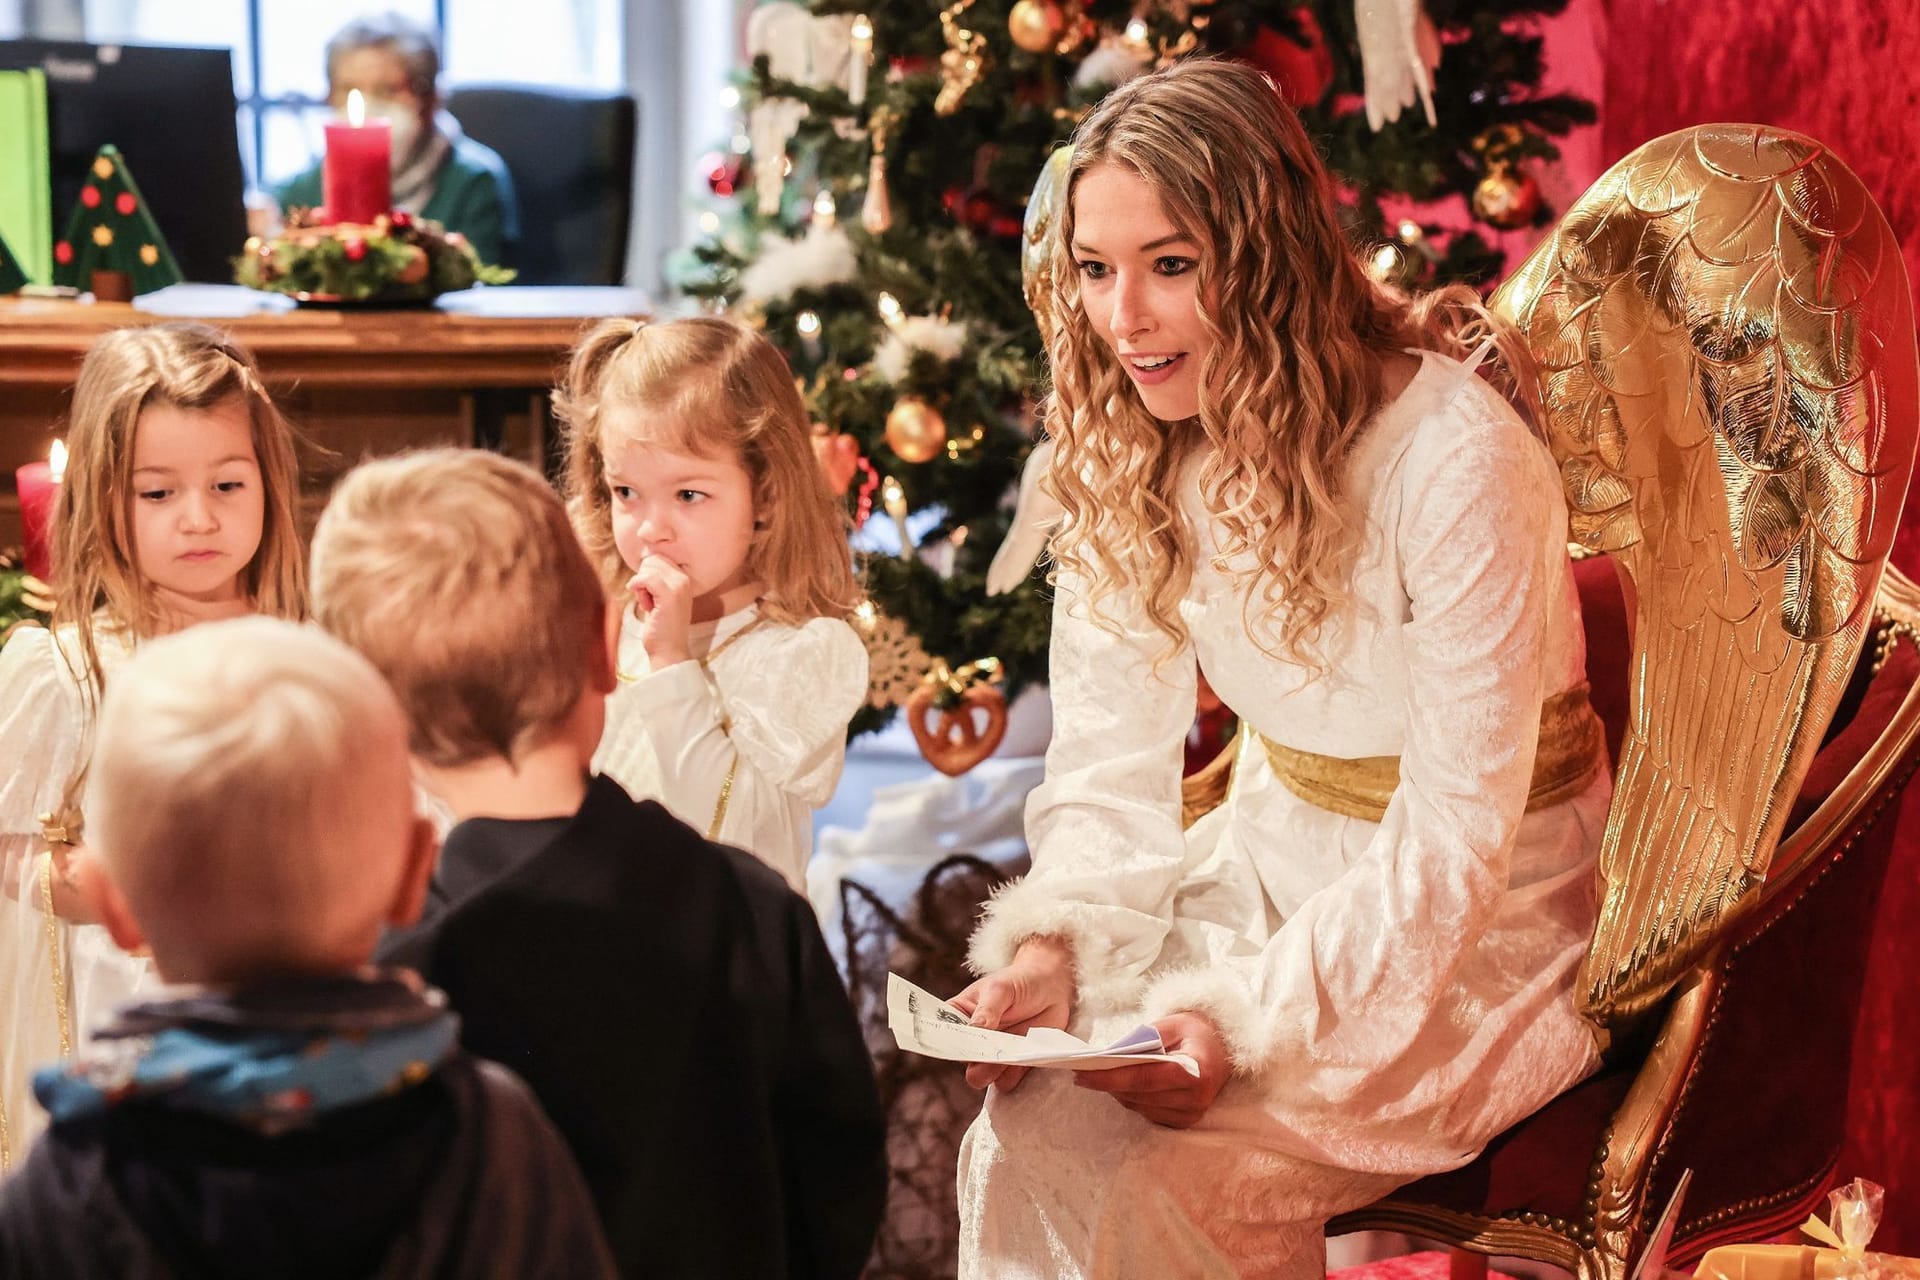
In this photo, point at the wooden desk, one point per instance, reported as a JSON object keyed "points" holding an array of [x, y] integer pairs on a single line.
{"points": [[477, 369]]}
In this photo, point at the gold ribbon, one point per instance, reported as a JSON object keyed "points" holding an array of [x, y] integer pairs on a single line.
{"points": [[953, 682], [1566, 763]]}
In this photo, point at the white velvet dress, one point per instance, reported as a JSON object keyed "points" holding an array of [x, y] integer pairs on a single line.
{"points": [[772, 705], [43, 732], [1394, 994]]}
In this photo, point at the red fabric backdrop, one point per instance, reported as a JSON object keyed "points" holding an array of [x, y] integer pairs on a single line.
{"points": [[1848, 73]]}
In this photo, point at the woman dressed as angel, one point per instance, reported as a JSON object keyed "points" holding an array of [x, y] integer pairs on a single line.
{"points": [[1279, 475]]}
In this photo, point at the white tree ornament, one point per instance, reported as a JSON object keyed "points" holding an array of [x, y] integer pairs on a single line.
{"points": [[1399, 52], [810, 51]]}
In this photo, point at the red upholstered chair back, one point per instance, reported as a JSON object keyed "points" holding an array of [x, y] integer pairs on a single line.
{"points": [[1603, 611]]}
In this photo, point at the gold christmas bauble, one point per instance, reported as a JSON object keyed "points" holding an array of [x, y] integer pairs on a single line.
{"points": [[1036, 237], [1037, 25], [915, 430], [1507, 198]]}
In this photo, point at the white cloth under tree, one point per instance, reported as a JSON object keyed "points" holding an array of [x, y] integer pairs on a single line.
{"points": [[43, 736], [1394, 994], [771, 707]]}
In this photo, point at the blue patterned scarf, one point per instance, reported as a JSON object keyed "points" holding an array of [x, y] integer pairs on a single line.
{"points": [[271, 1058]]}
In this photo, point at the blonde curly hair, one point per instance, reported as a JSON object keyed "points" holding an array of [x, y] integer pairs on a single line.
{"points": [[710, 387], [1299, 330]]}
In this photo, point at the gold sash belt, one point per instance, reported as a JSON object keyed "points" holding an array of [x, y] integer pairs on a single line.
{"points": [[1568, 759]]}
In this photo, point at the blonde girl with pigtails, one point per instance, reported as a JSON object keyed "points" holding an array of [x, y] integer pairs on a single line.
{"points": [[692, 480], [178, 506]]}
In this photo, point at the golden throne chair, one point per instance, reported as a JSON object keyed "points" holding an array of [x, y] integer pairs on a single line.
{"points": [[1728, 368]]}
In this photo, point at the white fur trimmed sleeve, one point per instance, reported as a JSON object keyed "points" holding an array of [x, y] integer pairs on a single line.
{"points": [[1104, 827], [1343, 992]]}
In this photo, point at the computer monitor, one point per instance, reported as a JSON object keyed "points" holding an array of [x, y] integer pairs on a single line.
{"points": [[171, 113]]}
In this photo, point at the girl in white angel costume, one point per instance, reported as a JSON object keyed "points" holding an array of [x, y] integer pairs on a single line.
{"points": [[692, 480], [178, 506], [1271, 473]]}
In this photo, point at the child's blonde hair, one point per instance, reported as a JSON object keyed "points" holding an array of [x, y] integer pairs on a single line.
{"points": [[187, 366], [238, 768], [708, 385], [456, 573]]}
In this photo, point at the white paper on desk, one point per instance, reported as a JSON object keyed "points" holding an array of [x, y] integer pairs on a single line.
{"points": [[923, 1023]]}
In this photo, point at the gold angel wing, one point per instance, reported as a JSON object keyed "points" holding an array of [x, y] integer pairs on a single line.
{"points": [[1727, 354]]}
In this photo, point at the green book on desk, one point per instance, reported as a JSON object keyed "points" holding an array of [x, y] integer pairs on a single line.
{"points": [[26, 193]]}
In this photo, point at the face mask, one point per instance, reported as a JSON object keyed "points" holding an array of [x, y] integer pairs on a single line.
{"points": [[403, 122]]}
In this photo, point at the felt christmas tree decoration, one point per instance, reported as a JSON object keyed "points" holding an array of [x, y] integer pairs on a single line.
{"points": [[12, 275], [112, 230]]}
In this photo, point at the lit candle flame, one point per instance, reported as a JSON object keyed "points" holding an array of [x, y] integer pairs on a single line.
{"points": [[823, 210], [862, 33], [866, 615], [893, 497], [808, 323], [356, 108], [57, 459], [890, 310]]}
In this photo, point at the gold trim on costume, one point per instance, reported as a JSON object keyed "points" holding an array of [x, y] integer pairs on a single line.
{"points": [[54, 964], [726, 725], [1565, 765]]}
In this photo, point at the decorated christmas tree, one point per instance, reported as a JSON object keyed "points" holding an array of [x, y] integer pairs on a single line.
{"points": [[869, 216], [12, 275], [111, 229]]}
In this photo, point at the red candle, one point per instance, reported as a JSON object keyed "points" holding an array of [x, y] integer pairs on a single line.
{"points": [[356, 179], [39, 485]]}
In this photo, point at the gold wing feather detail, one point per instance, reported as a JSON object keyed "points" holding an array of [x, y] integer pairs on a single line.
{"points": [[1727, 355]]}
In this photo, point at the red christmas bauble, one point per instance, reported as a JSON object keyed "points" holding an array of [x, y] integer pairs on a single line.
{"points": [[400, 218], [979, 208], [1303, 74], [126, 204], [356, 250], [1507, 198], [1004, 225], [723, 170], [63, 253], [90, 196]]}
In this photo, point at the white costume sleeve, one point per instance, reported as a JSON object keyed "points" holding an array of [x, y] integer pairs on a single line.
{"points": [[774, 711], [1345, 986], [1105, 828], [40, 734], [41, 728]]}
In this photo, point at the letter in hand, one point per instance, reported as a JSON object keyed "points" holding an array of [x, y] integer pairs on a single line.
{"points": [[1036, 990], [1161, 1091], [663, 598]]}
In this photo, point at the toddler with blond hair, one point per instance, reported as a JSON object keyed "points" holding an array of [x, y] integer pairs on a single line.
{"points": [[693, 483], [670, 1001], [281, 1109]]}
